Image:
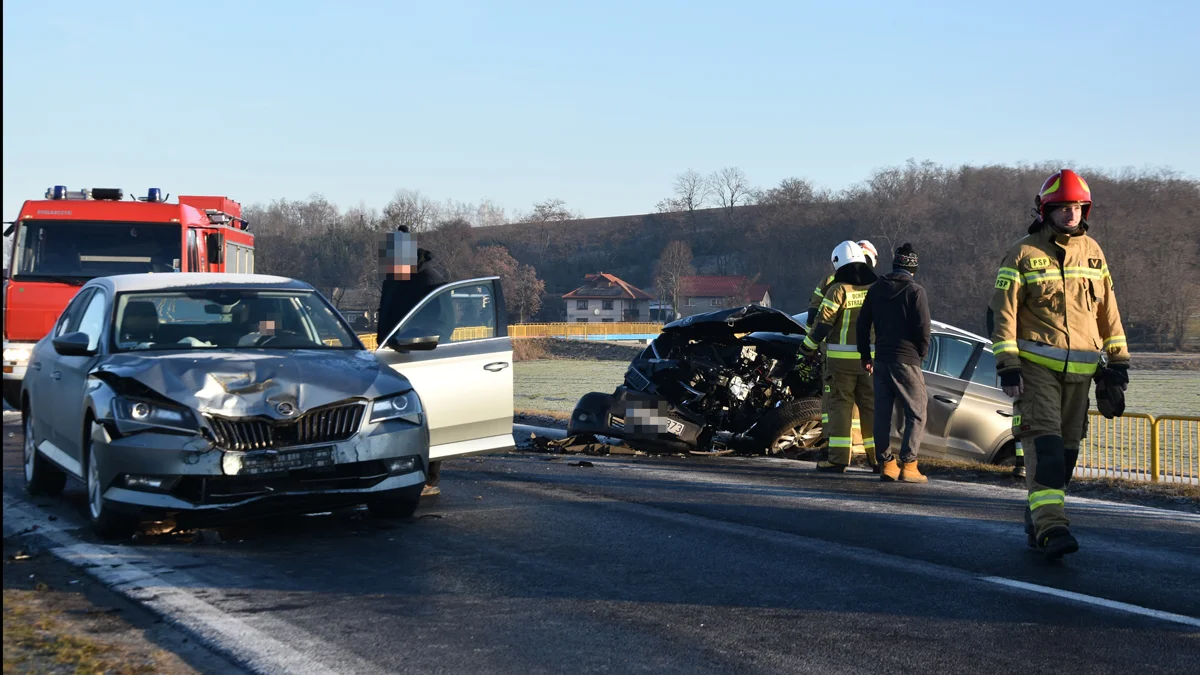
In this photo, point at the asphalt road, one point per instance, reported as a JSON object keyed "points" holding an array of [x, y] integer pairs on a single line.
{"points": [[528, 563]]}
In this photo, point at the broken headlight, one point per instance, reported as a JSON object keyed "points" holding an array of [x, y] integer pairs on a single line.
{"points": [[405, 406], [132, 416]]}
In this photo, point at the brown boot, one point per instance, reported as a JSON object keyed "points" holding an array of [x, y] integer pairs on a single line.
{"points": [[910, 474], [890, 470]]}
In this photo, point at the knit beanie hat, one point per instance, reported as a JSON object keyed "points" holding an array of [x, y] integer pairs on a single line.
{"points": [[906, 258]]}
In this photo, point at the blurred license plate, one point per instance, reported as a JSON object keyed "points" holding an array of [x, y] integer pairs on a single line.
{"points": [[286, 460]]}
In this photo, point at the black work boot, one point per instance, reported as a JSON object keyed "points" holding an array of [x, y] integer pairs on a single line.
{"points": [[831, 467], [1057, 542]]}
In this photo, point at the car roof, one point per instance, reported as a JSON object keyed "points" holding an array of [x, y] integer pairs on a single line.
{"points": [[938, 326], [123, 283]]}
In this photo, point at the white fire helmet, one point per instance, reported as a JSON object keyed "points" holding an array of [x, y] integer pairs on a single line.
{"points": [[869, 249], [847, 252]]}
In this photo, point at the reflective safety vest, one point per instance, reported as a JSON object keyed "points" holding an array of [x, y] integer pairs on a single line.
{"points": [[836, 319], [1054, 305]]}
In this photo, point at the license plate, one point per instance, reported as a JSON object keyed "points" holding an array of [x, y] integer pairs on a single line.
{"points": [[673, 427], [286, 460]]}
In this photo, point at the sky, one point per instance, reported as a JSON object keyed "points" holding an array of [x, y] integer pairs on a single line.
{"points": [[600, 104]]}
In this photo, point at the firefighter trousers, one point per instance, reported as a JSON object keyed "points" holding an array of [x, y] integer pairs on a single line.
{"points": [[848, 385], [1050, 420]]}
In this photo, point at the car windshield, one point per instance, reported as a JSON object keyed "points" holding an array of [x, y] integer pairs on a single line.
{"points": [[228, 319], [51, 249]]}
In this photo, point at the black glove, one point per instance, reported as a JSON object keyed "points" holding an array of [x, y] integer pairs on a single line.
{"points": [[1118, 374], [1010, 378]]}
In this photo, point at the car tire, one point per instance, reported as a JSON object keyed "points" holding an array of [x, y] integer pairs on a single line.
{"points": [[802, 417], [41, 476], [106, 523], [397, 504]]}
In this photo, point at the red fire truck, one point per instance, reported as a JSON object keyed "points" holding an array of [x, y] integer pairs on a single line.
{"points": [[69, 237]]}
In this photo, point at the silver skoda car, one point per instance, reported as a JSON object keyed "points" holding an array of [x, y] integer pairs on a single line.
{"points": [[205, 393]]}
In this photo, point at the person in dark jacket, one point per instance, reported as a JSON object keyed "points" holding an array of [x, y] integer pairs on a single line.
{"points": [[897, 309], [409, 275]]}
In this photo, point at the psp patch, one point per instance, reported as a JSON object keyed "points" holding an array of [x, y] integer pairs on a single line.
{"points": [[1039, 263], [1003, 284]]}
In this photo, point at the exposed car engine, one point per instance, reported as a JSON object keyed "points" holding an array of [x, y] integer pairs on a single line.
{"points": [[707, 383]]}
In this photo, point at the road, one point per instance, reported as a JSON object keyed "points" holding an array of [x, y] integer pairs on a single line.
{"points": [[533, 564]]}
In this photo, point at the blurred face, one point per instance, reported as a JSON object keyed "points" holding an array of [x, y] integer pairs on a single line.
{"points": [[397, 256], [1066, 216], [266, 327]]}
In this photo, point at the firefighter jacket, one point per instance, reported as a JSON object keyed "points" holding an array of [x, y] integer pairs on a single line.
{"points": [[1053, 304], [814, 300], [837, 316]]}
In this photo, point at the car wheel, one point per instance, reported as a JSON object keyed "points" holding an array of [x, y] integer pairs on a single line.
{"points": [[793, 427], [397, 504], [41, 477], [106, 523], [1007, 456]]}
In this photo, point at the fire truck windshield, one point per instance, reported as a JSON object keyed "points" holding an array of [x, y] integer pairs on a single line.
{"points": [[65, 250]]}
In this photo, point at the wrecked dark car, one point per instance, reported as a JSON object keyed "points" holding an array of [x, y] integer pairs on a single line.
{"points": [[191, 395], [730, 381]]}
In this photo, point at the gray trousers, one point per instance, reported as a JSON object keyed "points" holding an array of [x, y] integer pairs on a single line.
{"points": [[904, 385]]}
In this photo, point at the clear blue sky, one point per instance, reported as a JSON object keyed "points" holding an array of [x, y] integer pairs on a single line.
{"points": [[600, 104]]}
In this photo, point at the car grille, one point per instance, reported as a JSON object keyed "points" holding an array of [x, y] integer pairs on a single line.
{"points": [[318, 426]]}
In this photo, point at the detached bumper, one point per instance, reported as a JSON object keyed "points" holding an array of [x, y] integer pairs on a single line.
{"points": [[195, 476], [645, 421]]}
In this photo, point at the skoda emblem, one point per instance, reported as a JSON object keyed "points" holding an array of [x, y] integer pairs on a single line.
{"points": [[286, 409]]}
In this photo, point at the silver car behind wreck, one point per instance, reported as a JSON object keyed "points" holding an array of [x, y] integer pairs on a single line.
{"points": [[203, 393]]}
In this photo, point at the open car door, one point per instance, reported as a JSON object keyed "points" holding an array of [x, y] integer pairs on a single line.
{"points": [[455, 349]]}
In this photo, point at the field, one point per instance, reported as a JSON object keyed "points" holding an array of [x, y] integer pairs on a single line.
{"points": [[558, 384]]}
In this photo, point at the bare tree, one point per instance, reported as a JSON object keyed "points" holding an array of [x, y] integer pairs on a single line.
{"points": [[689, 194], [411, 208], [730, 189], [674, 264], [522, 288]]}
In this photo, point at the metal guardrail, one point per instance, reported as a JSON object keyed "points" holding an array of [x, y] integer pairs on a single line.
{"points": [[1138, 446]]}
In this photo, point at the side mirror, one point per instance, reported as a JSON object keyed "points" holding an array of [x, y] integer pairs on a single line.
{"points": [[73, 344], [216, 252], [407, 343]]}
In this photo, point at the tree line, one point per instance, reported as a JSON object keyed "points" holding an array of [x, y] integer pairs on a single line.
{"points": [[960, 220]]}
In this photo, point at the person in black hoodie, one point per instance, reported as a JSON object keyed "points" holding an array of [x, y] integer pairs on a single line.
{"points": [[408, 276], [898, 311]]}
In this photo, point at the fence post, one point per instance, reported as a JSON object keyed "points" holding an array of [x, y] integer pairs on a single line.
{"points": [[1154, 450]]}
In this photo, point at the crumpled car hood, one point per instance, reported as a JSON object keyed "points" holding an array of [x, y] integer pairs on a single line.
{"points": [[242, 383], [727, 322]]}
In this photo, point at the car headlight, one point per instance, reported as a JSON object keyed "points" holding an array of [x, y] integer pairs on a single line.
{"points": [[17, 355], [134, 415], [405, 406]]}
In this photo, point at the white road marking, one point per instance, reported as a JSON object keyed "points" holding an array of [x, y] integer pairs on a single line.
{"points": [[1093, 600], [133, 572]]}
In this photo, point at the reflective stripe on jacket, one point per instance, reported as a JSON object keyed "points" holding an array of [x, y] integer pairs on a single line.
{"points": [[836, 320], [818, 294], [1053, 304]]}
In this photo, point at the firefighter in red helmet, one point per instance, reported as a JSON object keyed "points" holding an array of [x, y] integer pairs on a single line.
{"points": [[1056, 327]]}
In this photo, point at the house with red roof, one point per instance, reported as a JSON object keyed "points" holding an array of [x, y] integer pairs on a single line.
{"points": [[700, 294], [603, 298]]}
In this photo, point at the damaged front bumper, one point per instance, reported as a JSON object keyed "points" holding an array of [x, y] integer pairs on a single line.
{"points": [[151, 472], [645, 421]]}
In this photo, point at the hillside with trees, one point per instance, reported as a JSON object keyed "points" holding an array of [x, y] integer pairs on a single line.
{"points": [[959, 219]]}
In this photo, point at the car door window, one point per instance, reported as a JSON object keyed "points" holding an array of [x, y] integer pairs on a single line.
{"points": [[456, 315], [69, 321], [953, 354], [930, 357], [92, 322], [985, 370]]}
